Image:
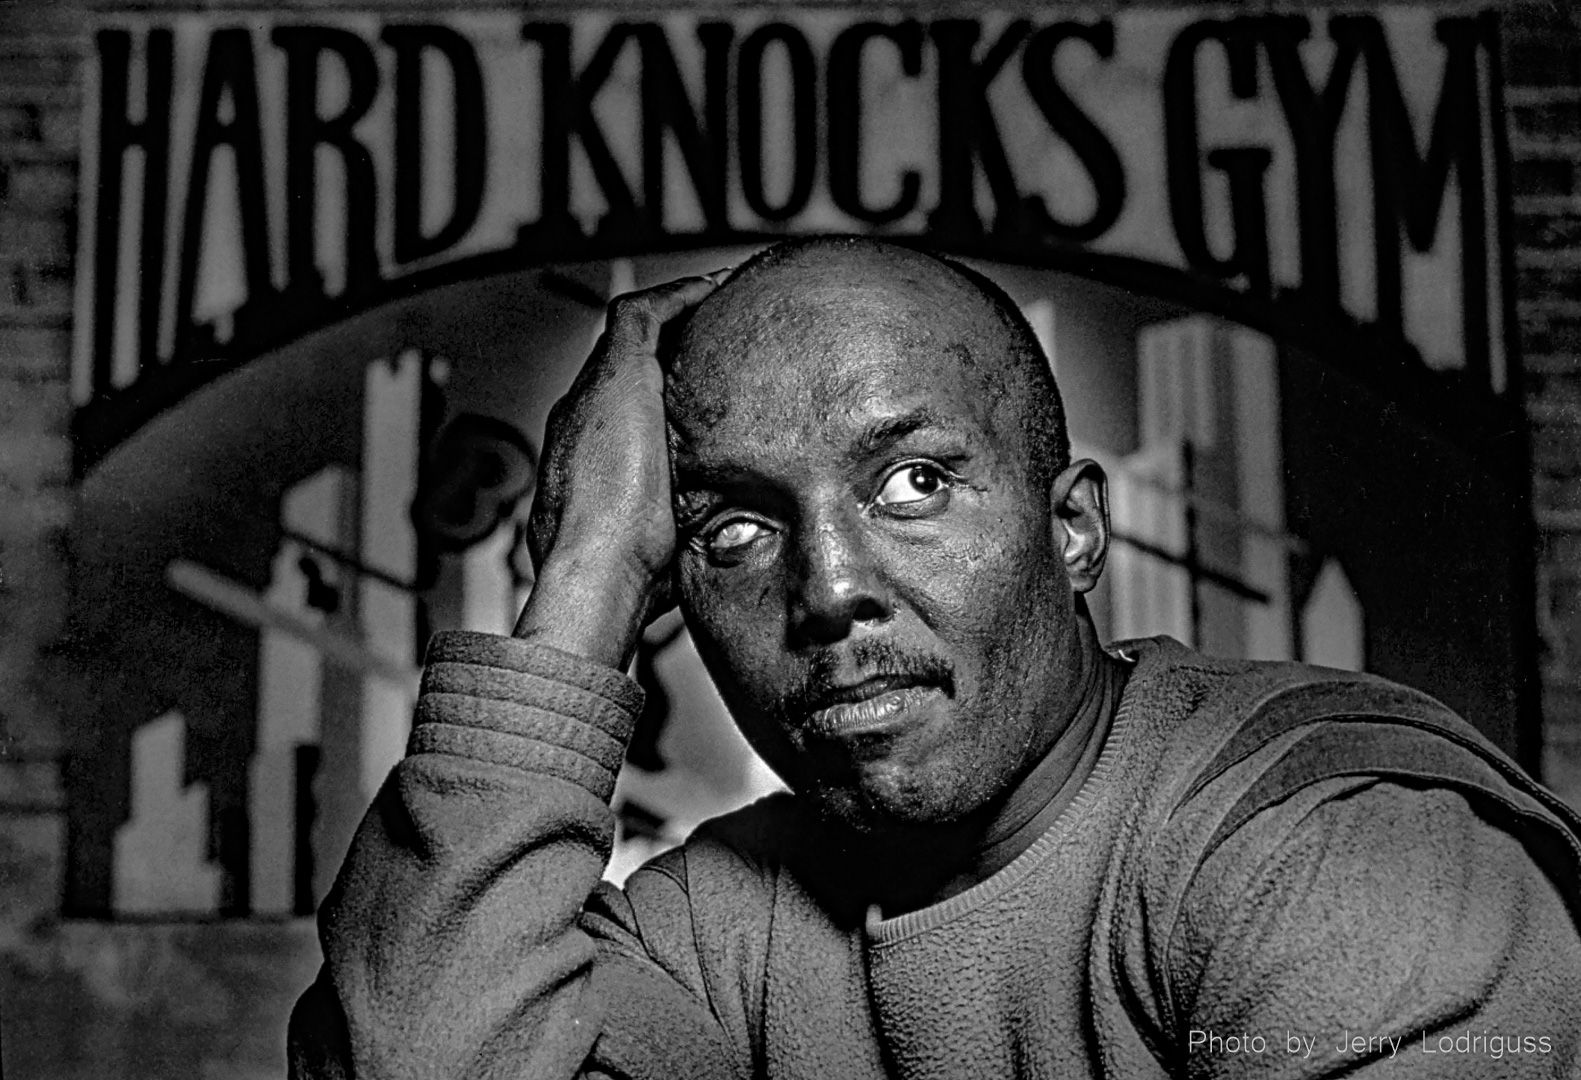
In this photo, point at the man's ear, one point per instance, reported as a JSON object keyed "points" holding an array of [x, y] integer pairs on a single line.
{"points": [[1079, 500]]}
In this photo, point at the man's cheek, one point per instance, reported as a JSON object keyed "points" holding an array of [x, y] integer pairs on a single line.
{"points": [[939, 585], [719, 600], [964, 599], [743, 654]]}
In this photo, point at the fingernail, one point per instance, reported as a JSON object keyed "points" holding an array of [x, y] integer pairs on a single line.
{"points": [[718, 277]]}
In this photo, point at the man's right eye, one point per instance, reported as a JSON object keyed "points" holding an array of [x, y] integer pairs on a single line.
{"points": [[729, 541]]}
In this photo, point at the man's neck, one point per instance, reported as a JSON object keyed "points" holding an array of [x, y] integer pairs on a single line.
{"points": [[930, 865]]}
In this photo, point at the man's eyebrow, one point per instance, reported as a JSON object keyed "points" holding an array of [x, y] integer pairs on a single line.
{"points": [[692, 478], [885, 433]]}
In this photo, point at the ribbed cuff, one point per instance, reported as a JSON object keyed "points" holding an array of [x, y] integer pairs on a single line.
{"points": [[533, 707]]}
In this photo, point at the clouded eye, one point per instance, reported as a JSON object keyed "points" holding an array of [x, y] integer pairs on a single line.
{"points": [[911, 484], [730, 541]]}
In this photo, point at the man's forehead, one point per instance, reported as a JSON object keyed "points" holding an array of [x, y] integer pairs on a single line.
{"points": [[853, 397], [837, 338], [826, 330]]}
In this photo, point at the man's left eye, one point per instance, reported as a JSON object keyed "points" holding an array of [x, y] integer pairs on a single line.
{"points": [[911, 484]]}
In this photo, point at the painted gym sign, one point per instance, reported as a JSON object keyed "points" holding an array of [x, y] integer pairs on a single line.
{"points": [[249, 177]]}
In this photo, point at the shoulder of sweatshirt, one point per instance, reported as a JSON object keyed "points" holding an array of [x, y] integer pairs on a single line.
{"points": [[703, 911], [723, 875], [736, 852], [1342, 802], [1377, 907], [1190, 714], [774, 859], [1204, 729], [1233, 744]]}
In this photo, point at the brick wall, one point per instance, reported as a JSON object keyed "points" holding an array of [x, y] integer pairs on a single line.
{"points": [[1543, 47], [39, 107]]}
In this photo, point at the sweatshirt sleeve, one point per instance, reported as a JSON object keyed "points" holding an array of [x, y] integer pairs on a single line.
{"points": [[455, 941], [1374, 930]]}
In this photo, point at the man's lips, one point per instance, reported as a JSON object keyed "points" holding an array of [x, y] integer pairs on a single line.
{"points": [[873, 705]]}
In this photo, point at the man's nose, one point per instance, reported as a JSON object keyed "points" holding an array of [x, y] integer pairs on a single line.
{"points": [[836, 584]]}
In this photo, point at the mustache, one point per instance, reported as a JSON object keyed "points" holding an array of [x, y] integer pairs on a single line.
{"points": [[871, 660]]}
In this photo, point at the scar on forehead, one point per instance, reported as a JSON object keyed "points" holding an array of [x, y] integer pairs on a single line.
{"points": [[689, 407], [994, 376]]}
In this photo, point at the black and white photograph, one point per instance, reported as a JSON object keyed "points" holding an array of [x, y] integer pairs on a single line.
{"points": [[790, 541]]}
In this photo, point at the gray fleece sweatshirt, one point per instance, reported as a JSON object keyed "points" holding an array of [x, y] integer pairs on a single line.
{"points": [[1272, 870]]}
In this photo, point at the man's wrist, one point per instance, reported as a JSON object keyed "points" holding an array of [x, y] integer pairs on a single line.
{"points": [[589, 603]]}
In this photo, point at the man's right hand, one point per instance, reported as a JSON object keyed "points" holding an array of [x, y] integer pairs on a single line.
{"points": [[601, 532]]}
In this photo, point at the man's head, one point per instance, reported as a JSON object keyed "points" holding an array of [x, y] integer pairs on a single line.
{"points": [[881, 535]]}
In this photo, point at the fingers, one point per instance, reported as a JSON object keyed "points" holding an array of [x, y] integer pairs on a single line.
{"points": [[636, 318]]}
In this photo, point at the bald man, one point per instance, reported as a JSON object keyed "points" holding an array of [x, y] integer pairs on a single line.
{"points": [[1008, 851]]}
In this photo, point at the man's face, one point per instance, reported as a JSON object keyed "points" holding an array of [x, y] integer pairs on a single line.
{"points": [[870, 574]]}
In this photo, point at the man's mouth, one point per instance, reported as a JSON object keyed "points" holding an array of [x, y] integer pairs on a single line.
{"points": [[870, 688], [872, 706]]}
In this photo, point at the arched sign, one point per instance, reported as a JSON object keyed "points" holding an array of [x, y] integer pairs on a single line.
{"points": [[250, 177]]}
